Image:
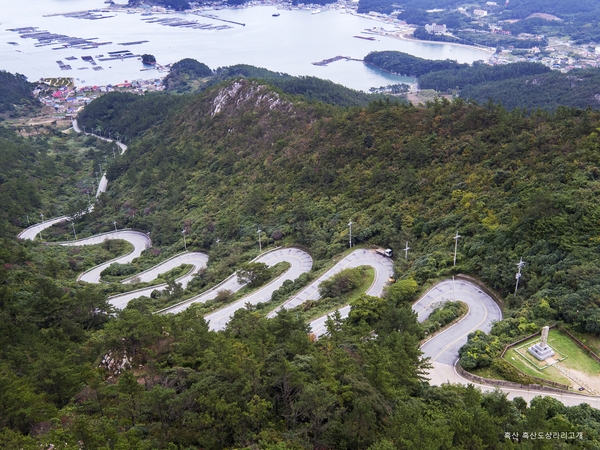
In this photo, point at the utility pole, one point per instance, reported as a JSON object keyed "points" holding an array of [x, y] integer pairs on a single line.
{"points": [[456, 245], [97, 179], [115, 224], [42, 226], [350, 227], [406, 249], [184, 242], [259, 242], [73, 225], [27, 220], [520, 265]]}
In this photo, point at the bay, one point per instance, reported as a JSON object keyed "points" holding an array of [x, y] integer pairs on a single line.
{"points": [[289, 43]]}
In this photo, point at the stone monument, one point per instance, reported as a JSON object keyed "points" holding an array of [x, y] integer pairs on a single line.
{"points": [[542, 350]]}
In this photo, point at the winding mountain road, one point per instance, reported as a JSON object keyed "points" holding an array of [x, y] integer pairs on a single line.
{"points": [[140, 242], [483, 312], [383, 267], [300, 262], [442, 349]]}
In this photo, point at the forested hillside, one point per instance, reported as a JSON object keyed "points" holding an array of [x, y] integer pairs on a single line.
{"points": [[405, 64], [188, 76], [519, 85], [15, 94], [243, 156], [73, 373]]}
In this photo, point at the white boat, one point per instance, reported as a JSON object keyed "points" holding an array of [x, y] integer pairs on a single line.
{"points": [[315, 11]]}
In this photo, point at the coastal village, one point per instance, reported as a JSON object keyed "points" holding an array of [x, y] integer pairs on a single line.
{"points": [[66, 98]]}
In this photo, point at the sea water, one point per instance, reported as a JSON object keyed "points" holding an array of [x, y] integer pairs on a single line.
{"points": [[289, 43]]}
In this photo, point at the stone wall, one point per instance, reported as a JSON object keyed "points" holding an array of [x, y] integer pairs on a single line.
{"points": [[556, 387]]}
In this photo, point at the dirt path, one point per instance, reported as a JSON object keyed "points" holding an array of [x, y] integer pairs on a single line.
{"points": [[593, 382]]}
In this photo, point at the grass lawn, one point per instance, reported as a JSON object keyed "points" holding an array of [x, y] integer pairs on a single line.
{"points": [[576, 358], [487, 372], [593, 342]]}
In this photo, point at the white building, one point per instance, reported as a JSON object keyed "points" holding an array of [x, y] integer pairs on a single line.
{"points": [[434, 28]]}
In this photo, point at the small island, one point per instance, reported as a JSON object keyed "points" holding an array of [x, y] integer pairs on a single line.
{"points": [[148, 60]]}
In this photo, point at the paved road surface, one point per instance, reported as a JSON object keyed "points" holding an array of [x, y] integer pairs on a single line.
{"points": [[383, 267], [300, 262], [442, 349], [122, 146], [140, 242], [483, 312], [196, 259], [32, 232], [446, 373]]}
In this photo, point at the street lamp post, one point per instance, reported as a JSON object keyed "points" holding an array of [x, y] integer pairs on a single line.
{"points": [[350, 233], [520, 264], [42, 225], [74, 233], [259, 242], [406, 249], [456, 245], [184, 242], [115, 224]]}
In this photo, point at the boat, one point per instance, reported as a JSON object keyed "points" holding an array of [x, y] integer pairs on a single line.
{"points": [[275, 14], [315, 11]]}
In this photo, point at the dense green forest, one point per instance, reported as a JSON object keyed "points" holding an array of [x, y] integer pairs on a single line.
{"points": [[519, 85], [576, 89], [405, 64], [189, 76], [15, 94], [402, 173], [43, 174], [183, 72], [480, 73], [128, 115], [241, 154]]}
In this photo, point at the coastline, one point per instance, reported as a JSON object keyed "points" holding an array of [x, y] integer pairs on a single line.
{"points": [[404, 37], [169, 36]]}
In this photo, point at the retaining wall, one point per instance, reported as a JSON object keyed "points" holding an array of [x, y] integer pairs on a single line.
{"points": [[557, 387]]}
